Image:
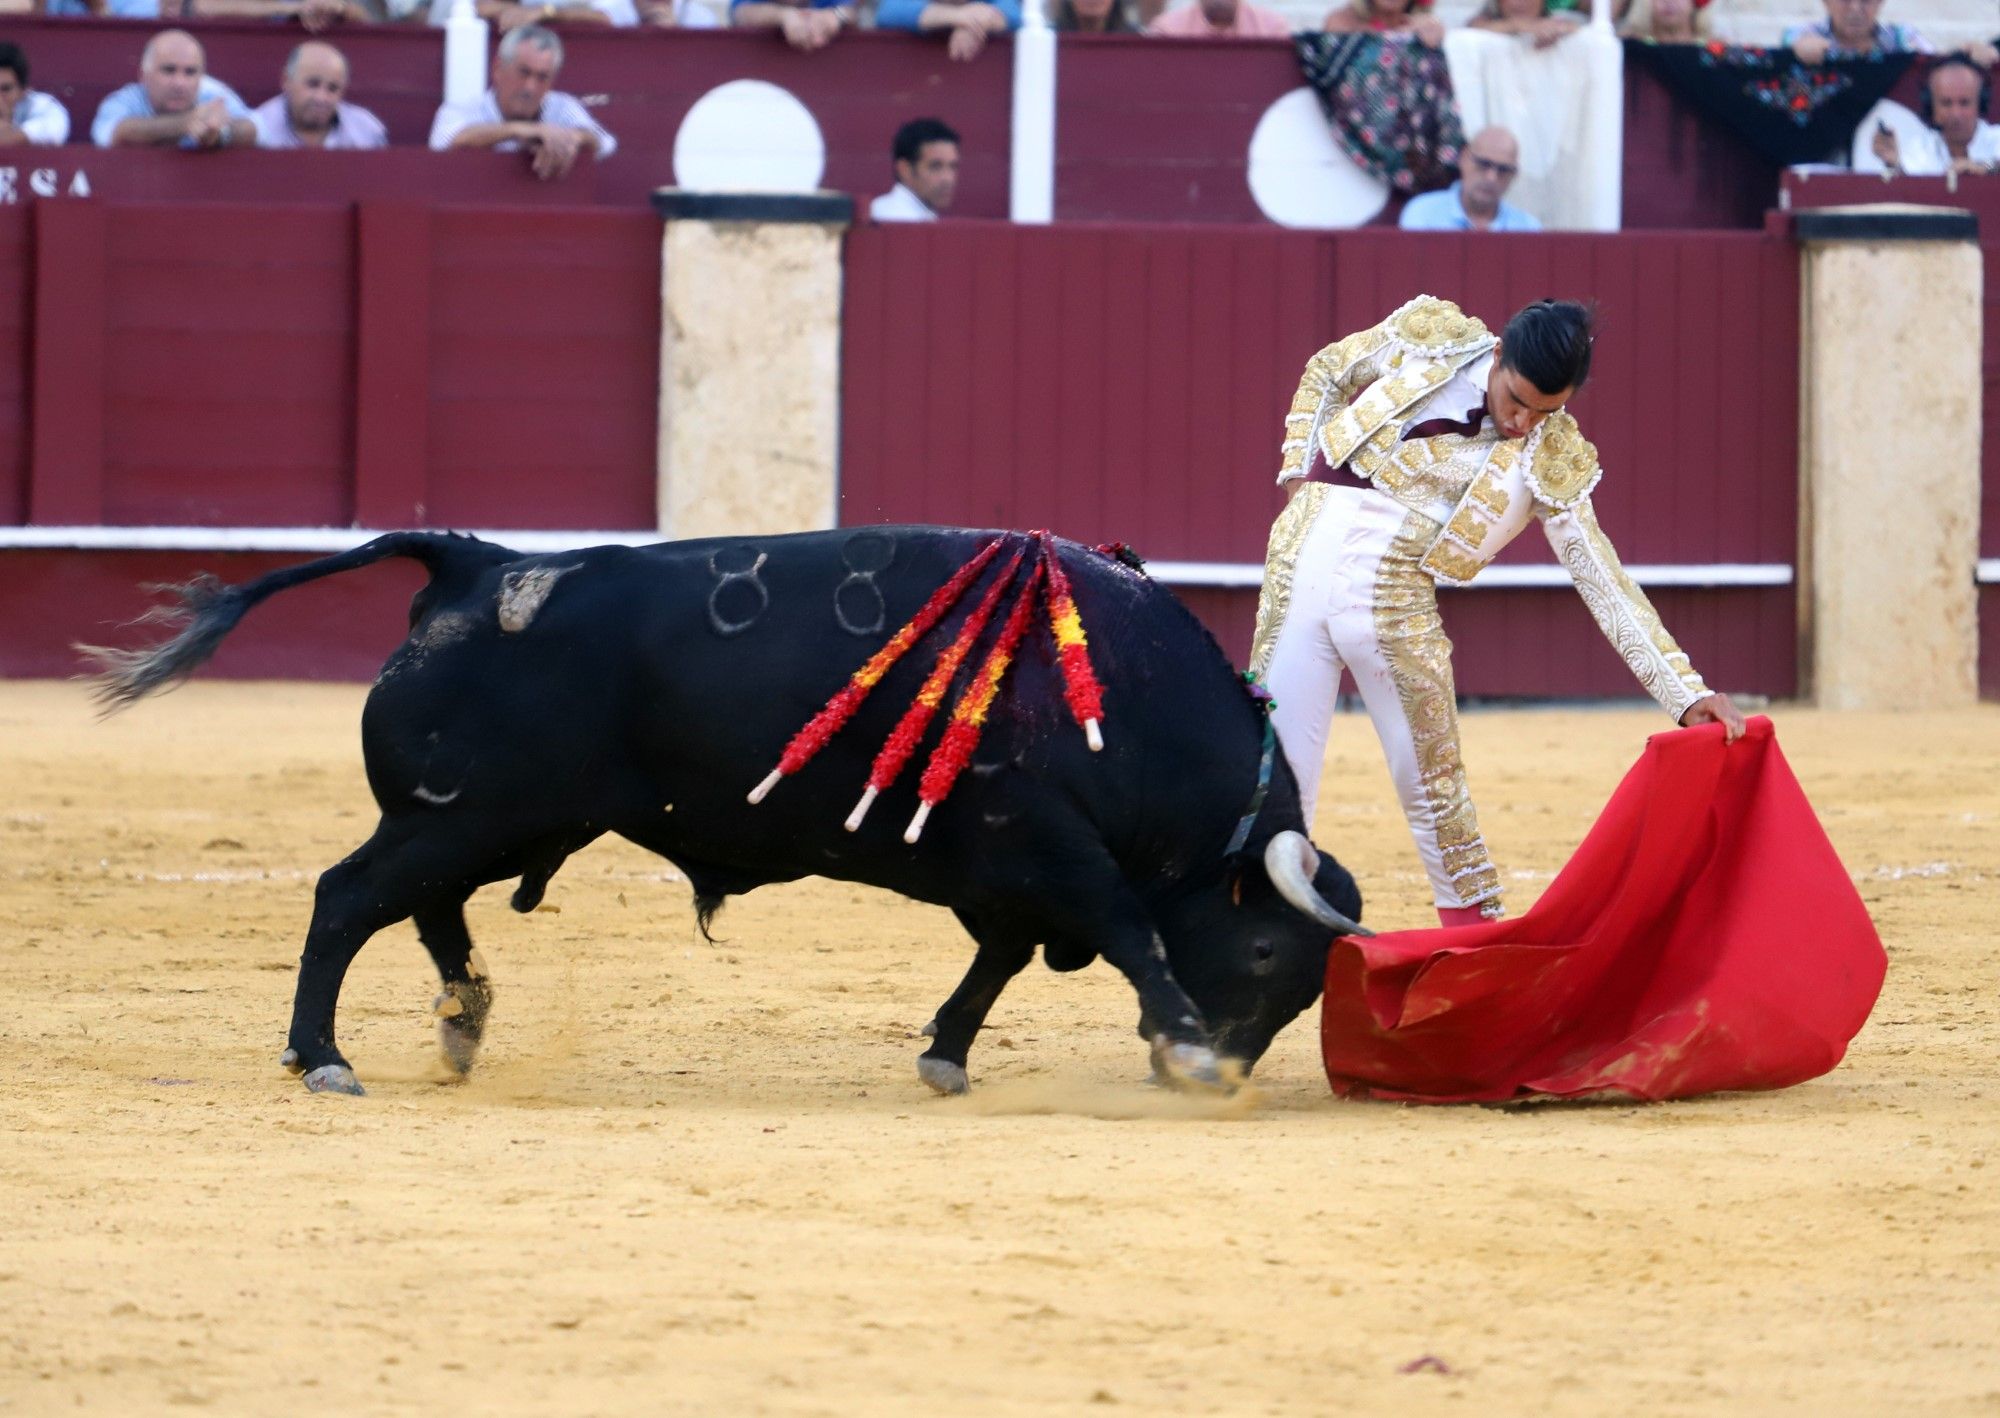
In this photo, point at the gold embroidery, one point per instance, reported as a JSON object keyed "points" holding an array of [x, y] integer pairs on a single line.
{"points": [[1381, 401], [1437, 326], [1564, 467], [1622, 610], [1418, 655], [1334, 375], [1451, 563], [1274, 602]]}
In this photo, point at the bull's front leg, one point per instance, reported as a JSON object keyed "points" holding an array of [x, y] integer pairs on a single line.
{"points": [[1183, 1050]]}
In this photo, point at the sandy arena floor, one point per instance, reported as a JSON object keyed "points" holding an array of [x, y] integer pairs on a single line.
{"points": [[704, 1179]]}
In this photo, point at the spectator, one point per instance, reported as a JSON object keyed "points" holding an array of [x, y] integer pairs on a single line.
{"points": [[1094, 17], [1529, 17], [926, 157], [806, 24], [1486, 169], [1385, 17], [31, 116], [1666, 22], [175, 103], [1958, 137], [103, 9], [969, 23], [523, 110], [1852, 29], [314, 16], [1221, 19], [677, 14], [507, 16], [308, 112]]}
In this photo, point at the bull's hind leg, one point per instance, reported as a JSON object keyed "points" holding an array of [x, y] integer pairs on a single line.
{"points": [[398, 871], [1002, 955], [467, 996]]}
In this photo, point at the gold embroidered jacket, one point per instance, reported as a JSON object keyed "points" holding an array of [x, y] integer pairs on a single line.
{"points": [[1352, 404]]}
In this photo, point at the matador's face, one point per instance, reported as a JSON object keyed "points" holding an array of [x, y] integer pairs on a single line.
{"points": [[1517, 406]]}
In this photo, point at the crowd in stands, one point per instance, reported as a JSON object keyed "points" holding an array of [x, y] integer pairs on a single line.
{"points": [[175, 102]]}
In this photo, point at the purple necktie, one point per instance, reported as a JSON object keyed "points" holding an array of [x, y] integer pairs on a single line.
{"points": [[1465, 428]]}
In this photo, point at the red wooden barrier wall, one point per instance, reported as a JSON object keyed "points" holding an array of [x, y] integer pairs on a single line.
{"points": [[389, 365], [1130, 384]]}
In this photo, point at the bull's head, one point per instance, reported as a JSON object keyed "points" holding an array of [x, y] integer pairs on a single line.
{"points": [[1252, 954]]}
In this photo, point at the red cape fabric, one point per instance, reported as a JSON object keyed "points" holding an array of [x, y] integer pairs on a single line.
{"points": [[1704, 937]]}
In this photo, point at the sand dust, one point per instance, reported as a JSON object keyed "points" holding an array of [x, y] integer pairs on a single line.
{"points": [[694, 1178]]}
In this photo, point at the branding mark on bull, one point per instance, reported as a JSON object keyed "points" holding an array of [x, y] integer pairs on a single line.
{"points": [[523, 592]]}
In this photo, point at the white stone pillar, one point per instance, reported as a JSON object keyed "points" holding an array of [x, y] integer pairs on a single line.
{"points": [[749, 361], [1889, 439]]}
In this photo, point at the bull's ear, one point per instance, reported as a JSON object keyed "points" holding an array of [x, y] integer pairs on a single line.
{"points": [[1236, 886]]}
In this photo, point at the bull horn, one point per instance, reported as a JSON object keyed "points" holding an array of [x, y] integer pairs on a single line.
{"points": [[1290, 861]]}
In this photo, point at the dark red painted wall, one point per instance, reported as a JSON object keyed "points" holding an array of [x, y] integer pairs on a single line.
{"points": [[391, 365], [1130, 384], [341, 628]]}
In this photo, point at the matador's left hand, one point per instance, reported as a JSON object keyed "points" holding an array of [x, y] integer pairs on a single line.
{"points": [[1716, 709]]}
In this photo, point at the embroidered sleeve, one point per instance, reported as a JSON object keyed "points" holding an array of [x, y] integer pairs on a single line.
{"points": [[1620, 608], [1331, 380]]}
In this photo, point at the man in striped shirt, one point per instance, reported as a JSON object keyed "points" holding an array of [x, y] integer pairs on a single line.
{"points": [[523, 110]]}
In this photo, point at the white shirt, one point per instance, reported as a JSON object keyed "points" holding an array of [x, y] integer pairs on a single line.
{"points": [[558, 109], [1930, 156], [900, 204], [1457, 396], [352, 127], [41, 119]]}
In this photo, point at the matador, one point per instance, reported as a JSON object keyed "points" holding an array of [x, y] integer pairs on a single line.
{"points": [[1414, 452]]}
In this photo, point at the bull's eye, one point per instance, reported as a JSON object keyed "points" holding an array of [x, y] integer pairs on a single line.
{"points": [[1260, 955]]}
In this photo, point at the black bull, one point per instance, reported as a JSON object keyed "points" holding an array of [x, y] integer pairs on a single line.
{"points": [[542, 701]]}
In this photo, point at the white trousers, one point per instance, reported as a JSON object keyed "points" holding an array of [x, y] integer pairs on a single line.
{"points": [[1360, 604]]}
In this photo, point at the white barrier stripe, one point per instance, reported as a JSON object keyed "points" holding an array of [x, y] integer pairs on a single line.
{"points": [[1246, 575], [276, 539], [1250, 574], [1989, 571]]}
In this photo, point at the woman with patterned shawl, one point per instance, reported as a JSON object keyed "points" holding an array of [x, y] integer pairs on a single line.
{"points": [[1380, 75], [1414, 452]]}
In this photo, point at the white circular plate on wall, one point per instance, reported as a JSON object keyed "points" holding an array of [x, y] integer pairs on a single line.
{"points": [[1300, 177], [749, 136]]}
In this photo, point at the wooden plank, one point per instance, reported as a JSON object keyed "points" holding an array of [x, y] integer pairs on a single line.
{"points": [[66, 476], [392, 364]]}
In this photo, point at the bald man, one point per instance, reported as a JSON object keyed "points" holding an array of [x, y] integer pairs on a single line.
{"points": [[1476, 202], [175, 104], [309, 111]]}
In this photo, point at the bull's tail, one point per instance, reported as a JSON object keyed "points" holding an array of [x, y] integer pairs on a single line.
{"points": [[204, 610]]}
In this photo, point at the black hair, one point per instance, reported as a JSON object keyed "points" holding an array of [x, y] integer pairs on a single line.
{"points": [[1943, 62], [11, 57], [1548, 343], [911, 137]]}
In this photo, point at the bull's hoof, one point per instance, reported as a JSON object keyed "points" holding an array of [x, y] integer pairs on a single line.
{"points": [[459, 1046], [334, 1078], [1195, 1068], [461, 1009], [942, 1075], [289, 1061]]}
